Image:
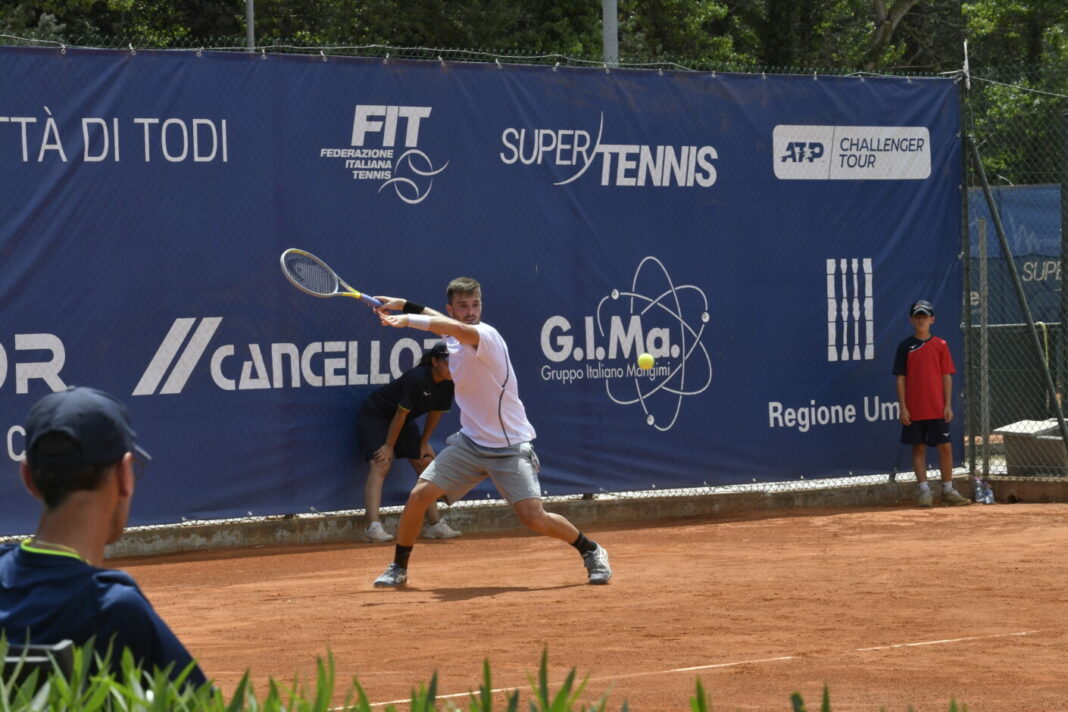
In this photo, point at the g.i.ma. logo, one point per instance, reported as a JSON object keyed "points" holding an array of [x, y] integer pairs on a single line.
{"points": [[653, 315]]}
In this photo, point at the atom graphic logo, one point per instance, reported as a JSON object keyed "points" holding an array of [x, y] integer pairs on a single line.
{"points": [[408, 189], [669, 321]]}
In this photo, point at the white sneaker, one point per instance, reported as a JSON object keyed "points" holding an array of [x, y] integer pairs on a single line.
{"points": [[439, 530], [376, 533], [596, 563]]}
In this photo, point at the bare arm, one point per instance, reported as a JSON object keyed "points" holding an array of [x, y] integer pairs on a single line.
{"points": [[905, 417], [947, 389], [439, 323], [432, 419], [393, 304], [385, 453]]}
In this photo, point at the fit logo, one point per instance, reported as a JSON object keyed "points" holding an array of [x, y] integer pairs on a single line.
{"points": [[374, 119], [801, 151], [384, 148]]}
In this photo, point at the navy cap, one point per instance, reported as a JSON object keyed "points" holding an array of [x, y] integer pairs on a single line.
{"points": [[96, 421], [921, 307], [439, 350]]}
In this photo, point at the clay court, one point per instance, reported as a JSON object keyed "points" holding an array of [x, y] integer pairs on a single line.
{"points": [[889, 606]]}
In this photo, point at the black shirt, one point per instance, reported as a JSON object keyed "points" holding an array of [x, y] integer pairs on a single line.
{"points": [[415, 391]]}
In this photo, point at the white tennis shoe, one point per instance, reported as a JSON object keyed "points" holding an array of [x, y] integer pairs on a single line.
{"points": [[439, 530], [596, 563], [376, 533]]}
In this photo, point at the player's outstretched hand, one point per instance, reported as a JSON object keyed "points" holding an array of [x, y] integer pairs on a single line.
{"points": [[390, 304], [397, 321]]}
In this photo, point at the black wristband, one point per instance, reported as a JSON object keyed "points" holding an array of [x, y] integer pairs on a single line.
{"points": [[413, 307]]}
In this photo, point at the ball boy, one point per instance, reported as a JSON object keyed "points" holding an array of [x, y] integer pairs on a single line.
{"points": [[924, 370]]}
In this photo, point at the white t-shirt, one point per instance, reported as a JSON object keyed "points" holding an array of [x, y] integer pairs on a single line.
{"points": [[491, 413]]}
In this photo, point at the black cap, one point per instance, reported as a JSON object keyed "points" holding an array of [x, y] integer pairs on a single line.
{"points": [[921, 307], [439, 350], [96, 421]]}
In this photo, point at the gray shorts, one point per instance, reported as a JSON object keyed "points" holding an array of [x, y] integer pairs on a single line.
{"points": [[463, 464]]}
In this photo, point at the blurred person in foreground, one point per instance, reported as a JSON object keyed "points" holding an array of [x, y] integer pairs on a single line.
{"points": [[81, 459]]}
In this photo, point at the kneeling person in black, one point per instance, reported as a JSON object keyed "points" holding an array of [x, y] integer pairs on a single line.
{"points": [[387, 428]]}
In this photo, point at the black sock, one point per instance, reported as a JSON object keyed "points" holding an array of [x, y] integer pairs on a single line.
{"points": [[400, 557], [583, 544]]}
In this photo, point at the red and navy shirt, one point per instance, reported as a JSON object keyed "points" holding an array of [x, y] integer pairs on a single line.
{"points": [[923, 363]]}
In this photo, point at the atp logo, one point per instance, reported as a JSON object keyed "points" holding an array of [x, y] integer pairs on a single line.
{"points": [[802, 151], [385, 147]]}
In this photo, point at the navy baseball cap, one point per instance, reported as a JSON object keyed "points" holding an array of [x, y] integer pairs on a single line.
{"points": [[439, 350], [96, 421], [921, 307]]}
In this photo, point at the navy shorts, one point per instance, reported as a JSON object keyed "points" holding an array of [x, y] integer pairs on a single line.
{"points": [[925, 432], [373, 431]]}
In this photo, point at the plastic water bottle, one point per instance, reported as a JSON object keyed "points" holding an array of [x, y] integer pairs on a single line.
{"points": [[988, 494], [978, 493]]}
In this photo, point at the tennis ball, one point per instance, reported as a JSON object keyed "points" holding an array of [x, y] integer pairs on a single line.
{"points": [[645, 361]]}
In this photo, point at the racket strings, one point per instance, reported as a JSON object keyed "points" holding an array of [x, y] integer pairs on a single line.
{"points": [[311, 275]]}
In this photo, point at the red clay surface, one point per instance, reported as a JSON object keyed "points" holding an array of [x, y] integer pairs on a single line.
{"points": [[890, 607]]}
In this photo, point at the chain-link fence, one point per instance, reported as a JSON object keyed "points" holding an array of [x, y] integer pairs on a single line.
{"points": [[1016, 123]]}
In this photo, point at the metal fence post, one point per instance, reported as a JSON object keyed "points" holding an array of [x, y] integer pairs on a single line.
{"points": [[250, 24], [984, 349], [610, 29]]}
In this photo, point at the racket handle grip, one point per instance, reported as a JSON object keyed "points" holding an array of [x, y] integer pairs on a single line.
{"points": [[370, 300]]}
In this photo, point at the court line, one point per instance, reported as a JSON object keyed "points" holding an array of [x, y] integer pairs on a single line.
{"points": [[608, 677], [946, 641], [735, 663]]}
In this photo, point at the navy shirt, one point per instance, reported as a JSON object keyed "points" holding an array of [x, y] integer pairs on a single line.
{"points": [[415, 391], [57, 597]]}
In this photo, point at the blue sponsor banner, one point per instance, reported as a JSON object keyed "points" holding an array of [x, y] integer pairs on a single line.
{"points": [[761, 237], [1031, 218]]}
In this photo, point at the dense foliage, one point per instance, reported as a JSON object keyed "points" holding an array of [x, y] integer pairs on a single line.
{"points": [[129, 689], [919, 35]]}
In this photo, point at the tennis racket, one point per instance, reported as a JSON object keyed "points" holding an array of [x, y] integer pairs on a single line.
{"points": [[312, 276]]}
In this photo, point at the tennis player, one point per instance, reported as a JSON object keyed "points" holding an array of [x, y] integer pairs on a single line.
{"points": [[495, 436]]}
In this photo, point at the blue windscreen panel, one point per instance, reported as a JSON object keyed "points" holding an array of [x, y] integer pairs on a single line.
{"points": [[760, 237]]}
